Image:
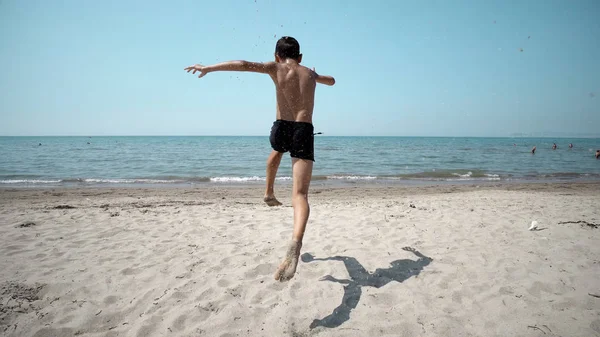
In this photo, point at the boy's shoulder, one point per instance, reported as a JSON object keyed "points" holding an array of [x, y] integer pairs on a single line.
{"points": [[280, 65], [279, 68]]}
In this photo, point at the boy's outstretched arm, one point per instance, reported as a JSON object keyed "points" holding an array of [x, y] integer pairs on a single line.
{"points": [[263, 68], [327, 80]]}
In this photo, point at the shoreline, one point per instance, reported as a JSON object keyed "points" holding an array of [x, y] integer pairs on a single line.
{"points": [[253, 193], [323, 183]]}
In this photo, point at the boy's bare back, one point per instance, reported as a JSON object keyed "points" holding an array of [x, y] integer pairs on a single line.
{"points": [[295, 89]]}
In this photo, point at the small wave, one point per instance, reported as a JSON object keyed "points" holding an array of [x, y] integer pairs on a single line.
{"points": [[244, 179], [446, 175], [235, 179], [169, 180], [72, 180], [131, 181], [350, 177], [469, 176], [466, 175], [172, 179], [568, 175], [29, 181]]}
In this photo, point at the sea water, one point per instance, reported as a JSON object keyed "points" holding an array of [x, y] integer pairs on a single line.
{"points": [[84, 161]]}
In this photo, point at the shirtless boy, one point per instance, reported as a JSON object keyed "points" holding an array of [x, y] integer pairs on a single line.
{"points": [[292, 131]]}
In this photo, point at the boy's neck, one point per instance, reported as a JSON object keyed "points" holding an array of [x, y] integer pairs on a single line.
{"points": [[290, 61]]}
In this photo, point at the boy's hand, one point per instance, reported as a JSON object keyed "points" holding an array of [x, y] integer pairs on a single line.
{"points": [[195, 68], [327, 80]]}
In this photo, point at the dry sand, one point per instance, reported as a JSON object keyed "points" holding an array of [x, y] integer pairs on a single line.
{"points": [[200, 262]]}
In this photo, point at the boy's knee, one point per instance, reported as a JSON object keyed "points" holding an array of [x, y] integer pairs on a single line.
{"points": [[300, 195]]}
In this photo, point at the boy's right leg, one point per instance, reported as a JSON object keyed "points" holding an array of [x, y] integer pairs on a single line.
{"points": [[302, 173], [272, 166]]}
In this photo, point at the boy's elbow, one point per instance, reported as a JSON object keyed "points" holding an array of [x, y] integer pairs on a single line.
{"points": [[331, 81], [244, 65]]}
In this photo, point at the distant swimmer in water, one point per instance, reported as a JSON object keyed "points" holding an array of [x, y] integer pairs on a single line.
{"points": [[40, 144], [570, 145], [554, 147], [597, 154], [533, 150]]}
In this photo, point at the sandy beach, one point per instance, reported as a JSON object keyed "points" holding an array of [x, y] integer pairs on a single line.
{"points": [[452, 260]]}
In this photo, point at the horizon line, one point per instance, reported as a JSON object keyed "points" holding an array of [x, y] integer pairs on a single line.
{"points": [[321, 135]]}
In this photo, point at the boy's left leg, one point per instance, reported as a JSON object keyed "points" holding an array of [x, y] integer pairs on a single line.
{"points": [[272, 166], [302, 173]]}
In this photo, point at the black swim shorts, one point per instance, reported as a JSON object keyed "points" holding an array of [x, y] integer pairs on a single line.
{"points": [[295, 137]]}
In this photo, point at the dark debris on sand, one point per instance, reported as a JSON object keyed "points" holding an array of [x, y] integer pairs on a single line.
{"points": [[64, 207], [27, 224], [584, 224], [17, 298]]}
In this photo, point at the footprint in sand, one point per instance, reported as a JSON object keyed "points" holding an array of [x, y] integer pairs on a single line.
{"points": [[457, 297], [260, 270], [66, 320], [130, 271], [110, 300], [595, 325], [223, 283], [179, 323], [44, 332]]}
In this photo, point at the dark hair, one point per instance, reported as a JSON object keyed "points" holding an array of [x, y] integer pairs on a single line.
{"points": [[288, 47]]}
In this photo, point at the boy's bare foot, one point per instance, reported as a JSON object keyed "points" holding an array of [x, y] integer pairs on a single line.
{"points": [[287, 268], [271, 201]]}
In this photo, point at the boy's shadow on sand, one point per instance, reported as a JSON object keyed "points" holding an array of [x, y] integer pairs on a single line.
{"points": [[400, 271]]}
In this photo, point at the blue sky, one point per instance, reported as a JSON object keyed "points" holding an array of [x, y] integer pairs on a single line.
{"points": [[403, 68]]}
